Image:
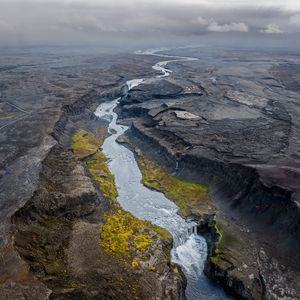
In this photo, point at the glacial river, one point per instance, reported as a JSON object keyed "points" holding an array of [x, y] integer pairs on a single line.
{"points": [[190, 249]]}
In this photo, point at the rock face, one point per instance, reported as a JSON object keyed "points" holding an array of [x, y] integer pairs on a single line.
{"points": [[235, 126], [58, 233], [64, 189], [161, 89]]}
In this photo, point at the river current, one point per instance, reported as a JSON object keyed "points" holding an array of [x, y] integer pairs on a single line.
{"points": [[190, 249]]}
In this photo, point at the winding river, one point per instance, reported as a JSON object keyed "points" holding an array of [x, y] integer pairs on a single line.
{"points": [[190, 249]]}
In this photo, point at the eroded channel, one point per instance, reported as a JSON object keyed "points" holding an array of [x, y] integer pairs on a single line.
{"points": [[190, 249]]}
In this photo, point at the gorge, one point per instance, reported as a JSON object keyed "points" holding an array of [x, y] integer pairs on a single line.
{"points": [[206, 148], [189, 249]]}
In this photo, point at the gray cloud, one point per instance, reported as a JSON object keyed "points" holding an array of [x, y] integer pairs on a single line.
{"points": [[231, 27], [271, 29], [102, 21], [295, 20], [213, 26]]}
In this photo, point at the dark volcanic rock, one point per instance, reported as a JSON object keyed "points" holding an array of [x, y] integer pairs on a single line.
{"points": [[157, 89], [43, 94], [65, 190], [241, 137], [58, 235]]}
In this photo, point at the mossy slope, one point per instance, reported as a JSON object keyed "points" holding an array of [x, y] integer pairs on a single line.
{"points": [[191, 197], [86, 146], [131, 241], [129, 238], [97, 167], [228, 261], [84, 143]]}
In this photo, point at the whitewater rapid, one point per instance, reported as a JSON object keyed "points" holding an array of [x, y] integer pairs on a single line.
{"points": [[190, 249]]}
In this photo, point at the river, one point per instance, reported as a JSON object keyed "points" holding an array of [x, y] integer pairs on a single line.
{"points": [[190, 249]]}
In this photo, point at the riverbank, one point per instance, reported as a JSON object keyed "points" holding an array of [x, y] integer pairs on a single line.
{"points": [[82, 243], [193, 135], [153, 206], [51, 215], [223, 240]]}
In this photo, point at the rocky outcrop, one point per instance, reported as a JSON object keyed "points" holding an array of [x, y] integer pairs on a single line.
{"points": [[57, 233], [244, 147], [159, 89], [270, 210], [57, 210]]}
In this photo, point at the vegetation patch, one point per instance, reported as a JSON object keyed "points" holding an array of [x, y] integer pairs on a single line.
{"points": [[122, 236], [191, 197], [84, 143], [128, 237], [100, 172], [228, 248]]}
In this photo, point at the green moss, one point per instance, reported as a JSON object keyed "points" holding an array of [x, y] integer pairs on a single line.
{"points": [[219, 228], [219, 261], [162, 233], [53, 223], [225, 237], [122, 233], [227, 246], [128, 237], [191, 197], [134, 264], [100, 172], [231, 254], [142, 242], [85, 143]]}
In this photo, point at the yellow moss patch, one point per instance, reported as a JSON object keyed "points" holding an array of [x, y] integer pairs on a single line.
{"points": [[100, 172], [134, 264], [175, 269], [85, 143], [128, 237], [191, 197], [122, 233], [142, 241]]}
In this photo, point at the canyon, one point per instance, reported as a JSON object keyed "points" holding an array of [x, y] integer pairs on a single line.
{"points": [[226, 119]]}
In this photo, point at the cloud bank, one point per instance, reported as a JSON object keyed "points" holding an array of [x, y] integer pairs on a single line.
{"points": [[99, 21]]}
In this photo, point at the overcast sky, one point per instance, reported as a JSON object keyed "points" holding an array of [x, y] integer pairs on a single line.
{"points": [[101, 21]]}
